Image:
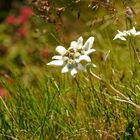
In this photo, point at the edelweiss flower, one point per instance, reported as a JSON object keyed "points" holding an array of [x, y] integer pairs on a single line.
{"points": [[130, 33], [84, 49], [71, 58]]}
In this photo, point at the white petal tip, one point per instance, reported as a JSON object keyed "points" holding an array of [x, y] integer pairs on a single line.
{"points": [[56, 63], [85, 57], [61, 50], [65, 69], [73, 72]]}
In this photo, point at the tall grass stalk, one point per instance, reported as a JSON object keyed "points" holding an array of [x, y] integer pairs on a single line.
{"points": [[115, 91]]}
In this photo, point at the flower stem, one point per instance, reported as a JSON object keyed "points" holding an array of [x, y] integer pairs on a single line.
{"points": [[130, 53], [114, 90], [135, 51]]}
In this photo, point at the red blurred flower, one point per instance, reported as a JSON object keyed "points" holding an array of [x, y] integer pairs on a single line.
{"points": [[26, 11], [22, 19], [3, 92], [45, 53], [22, 32], [10, 20]]}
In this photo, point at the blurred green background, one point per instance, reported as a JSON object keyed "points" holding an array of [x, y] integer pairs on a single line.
{"points": [[38, 102]]}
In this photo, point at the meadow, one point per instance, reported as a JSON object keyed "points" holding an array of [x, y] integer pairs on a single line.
{"points": [[40, 102]]}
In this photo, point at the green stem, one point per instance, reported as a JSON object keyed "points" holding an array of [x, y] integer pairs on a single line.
{"points": [[7, 109], [129, 46], [78, 86], [135, 51]]}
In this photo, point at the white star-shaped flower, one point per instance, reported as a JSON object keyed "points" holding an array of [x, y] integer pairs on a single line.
{"points": [[71, 58], [129, 33], [86, 48]]}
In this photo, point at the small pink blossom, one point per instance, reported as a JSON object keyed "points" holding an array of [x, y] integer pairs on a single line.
{"points": [[26, 11], [45, 53], [11, 20], [22, 19], [3, 93]]}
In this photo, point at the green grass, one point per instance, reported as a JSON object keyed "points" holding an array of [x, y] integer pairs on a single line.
{"points": [[44, 104], [58, 107]]}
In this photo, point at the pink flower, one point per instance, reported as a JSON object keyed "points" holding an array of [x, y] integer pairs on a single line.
{"points": [[26, 11], [3, 93], [22, 32], [22, 19], [45, 53], [10, 20]]}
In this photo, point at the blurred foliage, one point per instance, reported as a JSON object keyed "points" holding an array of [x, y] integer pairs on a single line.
{"points": [[49, 105]]}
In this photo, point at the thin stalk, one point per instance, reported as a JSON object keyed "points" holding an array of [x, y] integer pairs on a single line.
{"points": [[129, 46], [7, 109], [76, 81], [77, 92], [115, 91], [10, 137], [135, 51]]}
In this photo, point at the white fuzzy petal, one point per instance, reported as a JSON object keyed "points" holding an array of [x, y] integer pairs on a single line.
{"points": [[93, 65], [88, 44], [56, 63], [122, 38], [89, 51], [73, 71], [65, 69], [85, 57], [61, 50], [79, 43], [57, 57], [117, 36], [120, 34], [137, 33], [73, 45]]}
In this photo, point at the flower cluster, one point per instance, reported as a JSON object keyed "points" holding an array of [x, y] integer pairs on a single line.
{"points": [[72, 57], [25, 13], [20, 21], [129, 33]]}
